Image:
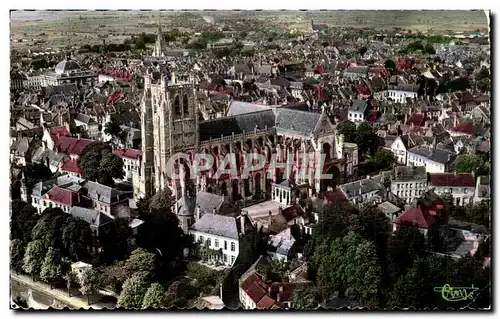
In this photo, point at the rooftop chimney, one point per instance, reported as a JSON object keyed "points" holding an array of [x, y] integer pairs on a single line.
{"points": [[270, 219], [198, 212]]}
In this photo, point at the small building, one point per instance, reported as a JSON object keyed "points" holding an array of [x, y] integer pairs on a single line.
{"points": [[408, 182], [460, 186], [359, 111], [79, 268]]}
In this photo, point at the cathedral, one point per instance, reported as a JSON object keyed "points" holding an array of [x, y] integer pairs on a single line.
{"points": [[171, 124]]}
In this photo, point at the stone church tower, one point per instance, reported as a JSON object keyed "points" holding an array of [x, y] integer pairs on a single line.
{"points": [[169, 126], [159, 48]]}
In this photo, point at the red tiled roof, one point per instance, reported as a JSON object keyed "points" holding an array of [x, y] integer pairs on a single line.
{"points": [[255, 292], [464, 127], [249, 281], [417, 120], [416, 217], [71, 166], [265, 303], [71, 145], [293, 211], [62, 196], [128, 153], [319, 70], [334, 196], [452, 180], [58, 131]]}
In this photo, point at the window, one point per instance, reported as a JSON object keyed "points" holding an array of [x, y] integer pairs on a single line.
{"points": [[225, 258], [232, 260], [233, 247], [225, 245], [216, 243], [209, 242], [465, 190], [201, 239]]}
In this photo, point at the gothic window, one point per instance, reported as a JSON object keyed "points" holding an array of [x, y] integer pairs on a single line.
{"points": [[177, 106], [185, 105]]}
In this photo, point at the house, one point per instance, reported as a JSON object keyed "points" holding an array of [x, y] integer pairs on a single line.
{"points": [[21, 150], [131, 161], [70, 167], [460, 186], [483, 189], [40, 189], [97, 221], [428, 215], [409, 182], [79, 268], [399, 93], [255, 293], [390, 210], [64, 198], [359, 111], [108, 200], [434, 160], [356, 72], [460, 242], [481, 114], [364, 190], [280, 248], [231, 238], [89, 124], [399, 148]]}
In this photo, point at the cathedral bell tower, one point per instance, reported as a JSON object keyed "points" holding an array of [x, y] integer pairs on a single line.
{"points": [[169, 117]]}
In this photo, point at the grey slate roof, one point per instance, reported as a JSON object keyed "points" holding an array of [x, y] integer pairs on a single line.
{"points": [[239, 107], [365, 185], [84, 118], [40, 155], [218, 225], [65, 180], [103, 193], [235, 124], [92, 217], [247, 116], [187, 205], [359, 106], [438, 155], [206, 202], [297, 121], [280, 245], [407, 173]]}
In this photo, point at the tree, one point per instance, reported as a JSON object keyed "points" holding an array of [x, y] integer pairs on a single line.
{"points": [[407, 245], [348, 129], [77, 238], [468, 163], [382, 160], [367, 138], [153, 297], [161, 201], [24, 218], [134, 290], [113, 128], [16, 255], [114, 240], [305, 298], [161, 233], [480, 213], [52, 267], [100, 165], [140, 261], [390, 65], [49, 227], [33, 258], [349, 266], [89, 281], [70, 279]]}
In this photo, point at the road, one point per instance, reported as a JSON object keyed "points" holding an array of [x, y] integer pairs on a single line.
{"points": [[40, 296]]}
